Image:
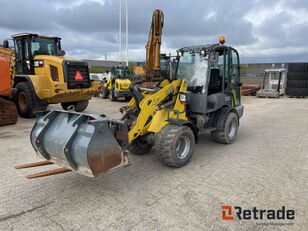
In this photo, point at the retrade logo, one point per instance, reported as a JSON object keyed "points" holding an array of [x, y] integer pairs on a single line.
{"points": [[229, 212], [226, 212]]}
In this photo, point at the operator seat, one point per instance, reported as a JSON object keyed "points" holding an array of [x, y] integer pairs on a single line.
{"points": [[215, 84]]}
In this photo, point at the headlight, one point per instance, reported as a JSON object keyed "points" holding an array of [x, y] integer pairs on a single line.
{"points": [[183, 97], [203, 52], [180, 53], [39, 63]]}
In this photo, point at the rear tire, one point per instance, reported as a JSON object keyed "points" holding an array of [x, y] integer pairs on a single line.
{"points": [[297, 75], [174, 145], [104, 93], [139, 147], [297, 67], [24, 100], [297, 92], [297, 83], [229, 132], [128, 98], [112, 97], [79, 106]]}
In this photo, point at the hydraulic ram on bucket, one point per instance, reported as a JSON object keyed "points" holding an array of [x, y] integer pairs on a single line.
{"points": [[83, 143]]}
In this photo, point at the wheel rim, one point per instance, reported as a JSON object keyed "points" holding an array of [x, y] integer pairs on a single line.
{"points": [[182, 147], [232, 128], [22, 100]]}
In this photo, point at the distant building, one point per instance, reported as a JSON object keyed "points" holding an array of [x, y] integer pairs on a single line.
{"points": [[101, 63], [106, 64]]}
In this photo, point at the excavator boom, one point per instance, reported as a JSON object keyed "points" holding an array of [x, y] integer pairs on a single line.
{"points": [[152, 63]]}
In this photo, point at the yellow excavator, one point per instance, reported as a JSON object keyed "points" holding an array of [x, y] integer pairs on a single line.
{"points": [[150, 73], [202, 95], [152, 64], [41, 74]]}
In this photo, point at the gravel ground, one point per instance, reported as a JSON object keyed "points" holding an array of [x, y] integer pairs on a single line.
{"points": [[265, 168]]}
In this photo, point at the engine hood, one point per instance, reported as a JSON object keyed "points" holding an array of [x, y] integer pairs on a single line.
{"points": [[57, 59]]}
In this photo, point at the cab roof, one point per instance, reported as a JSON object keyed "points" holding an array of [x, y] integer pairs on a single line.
{"points": [[198, 48], [30, 35]]}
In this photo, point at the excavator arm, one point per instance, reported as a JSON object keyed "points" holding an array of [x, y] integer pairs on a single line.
{"points": [[152, 63]]}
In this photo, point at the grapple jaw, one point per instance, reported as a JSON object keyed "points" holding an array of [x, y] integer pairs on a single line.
{"points": [[80, 142]]}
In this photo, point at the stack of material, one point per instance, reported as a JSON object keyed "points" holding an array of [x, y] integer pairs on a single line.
{"points": [[297, 80], [8, 113]]}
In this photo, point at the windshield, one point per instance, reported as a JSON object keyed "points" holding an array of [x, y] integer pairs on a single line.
{"points": [[41, 46], [168, 66], [120, 72], [193, 67]]}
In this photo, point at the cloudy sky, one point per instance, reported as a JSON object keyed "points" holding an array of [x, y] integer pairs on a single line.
{"points": [[262, 30]]}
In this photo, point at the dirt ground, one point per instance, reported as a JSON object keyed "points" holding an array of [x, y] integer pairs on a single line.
{"points": [[267, 168]]}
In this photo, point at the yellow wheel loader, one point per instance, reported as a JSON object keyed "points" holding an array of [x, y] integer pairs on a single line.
{"points": [[42, 75], [202, 96], [118, 85]]}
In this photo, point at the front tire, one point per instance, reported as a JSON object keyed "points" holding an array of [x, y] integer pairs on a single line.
{"points": [[112, 97], [229, 132], [24, 100], [79, 105], [139, 146], [104, 93], [175, 145]]}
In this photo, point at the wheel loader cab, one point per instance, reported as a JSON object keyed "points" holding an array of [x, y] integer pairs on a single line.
{"points": [[27, 46], [212, 73]]}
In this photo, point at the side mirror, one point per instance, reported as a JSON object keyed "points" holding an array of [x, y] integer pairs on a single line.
{"points": [[61, 52], [214, 57], [5, 44]]}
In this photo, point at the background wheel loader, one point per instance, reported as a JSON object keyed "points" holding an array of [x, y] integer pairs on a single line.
{"points": [[202, 96], [118, 85], [41, 75]]}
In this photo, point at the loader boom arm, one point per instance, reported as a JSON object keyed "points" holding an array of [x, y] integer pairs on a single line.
{"points": [[152, 63], [168, 94]]}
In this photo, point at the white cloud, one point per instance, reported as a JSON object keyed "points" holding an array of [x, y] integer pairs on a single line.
{"points": [[274, 29]]}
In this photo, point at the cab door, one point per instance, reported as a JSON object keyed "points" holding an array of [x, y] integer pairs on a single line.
{"points": [[24, 63], [19, 56], [234, 74]]}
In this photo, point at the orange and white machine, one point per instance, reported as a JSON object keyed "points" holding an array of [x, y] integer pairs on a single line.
{"points": [[8, 113]]}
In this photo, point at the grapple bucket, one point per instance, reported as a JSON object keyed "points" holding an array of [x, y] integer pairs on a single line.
{"points": [[80, 142]]}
